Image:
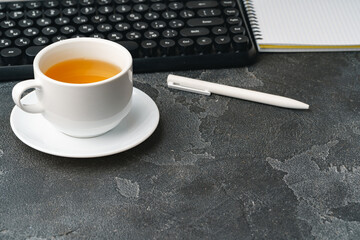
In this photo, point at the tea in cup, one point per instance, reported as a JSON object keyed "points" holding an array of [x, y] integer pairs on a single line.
{"points": [[82, 71]]}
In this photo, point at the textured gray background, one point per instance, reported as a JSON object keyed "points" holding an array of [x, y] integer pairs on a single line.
{"points": [[215, 168]]}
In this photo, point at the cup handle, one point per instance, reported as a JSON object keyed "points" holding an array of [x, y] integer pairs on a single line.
{"points": [[19, 89]]}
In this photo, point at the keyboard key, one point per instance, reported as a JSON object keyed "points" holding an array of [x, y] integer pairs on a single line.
{"points": [[22, 42], [103, 2], [114, 18], [167, 47], [140, 26], [12, 33], [67, 30], [105, 10], [87, 10], [235, 30], [132, 17], [228, 3], [86, 29], [150, 16], [51, 3], [104, 28], [201, 4], [140, 8], [219, 30], [31, 52], [121, 1], [41, 41], [169, 15], [31, 32], [158, 25], [241, 42], [52, 13], [176, 6], [222, 43], [133, 36], [33, 5], [151, 34], [4, 43], [194, 32], [209, 12], [97, 35], [7, 24], [78, 35], [176, 24], [68, 3], [131, 46], [149, 47], [169, 33], [158, 7], [234, 20], [98, 19], [33, 14], [205, 22], [58, 38], [60, 21], [15, 6], [25, 23], [186, 14], [2, 15], [80, 20], [49, 31], [203, 44], [115, 36], [231, 12], [69, 12], [15, 15], [123, 9], [11, 55], [186, 45], [43, 22], [122, 27], [86, 2]]}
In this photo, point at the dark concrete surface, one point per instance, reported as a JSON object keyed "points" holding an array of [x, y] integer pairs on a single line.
{"points": [[215, 168]]}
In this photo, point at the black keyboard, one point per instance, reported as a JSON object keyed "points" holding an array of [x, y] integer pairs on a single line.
{"points": [[162, 35]]}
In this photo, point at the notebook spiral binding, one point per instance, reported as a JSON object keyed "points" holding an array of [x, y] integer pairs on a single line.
{"points": [[253, 19]]}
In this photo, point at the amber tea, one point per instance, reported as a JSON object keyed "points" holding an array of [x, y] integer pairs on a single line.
{"points": [[82, 71]]}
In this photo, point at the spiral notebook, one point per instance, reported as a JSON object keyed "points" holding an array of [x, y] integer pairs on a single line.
{"points": [[305, 25]]}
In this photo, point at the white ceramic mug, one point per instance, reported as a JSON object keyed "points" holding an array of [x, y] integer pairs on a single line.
{"points": [[80, 110]]}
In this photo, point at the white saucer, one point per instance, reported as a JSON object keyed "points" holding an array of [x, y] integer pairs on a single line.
{"points": [[136, 127]]}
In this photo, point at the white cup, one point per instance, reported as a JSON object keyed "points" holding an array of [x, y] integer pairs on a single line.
{"points": [[80, 110]]}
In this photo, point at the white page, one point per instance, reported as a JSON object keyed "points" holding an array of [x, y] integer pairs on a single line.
{"points": [[308, 22]]}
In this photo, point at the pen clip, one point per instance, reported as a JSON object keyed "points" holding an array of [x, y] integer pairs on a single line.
{"points": [[188, 89]]}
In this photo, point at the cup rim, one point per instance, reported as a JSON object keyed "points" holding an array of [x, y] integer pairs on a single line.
{"points": [[43, 51]]}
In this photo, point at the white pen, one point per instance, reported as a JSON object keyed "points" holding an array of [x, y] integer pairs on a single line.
{"points": [[206, 88]]}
